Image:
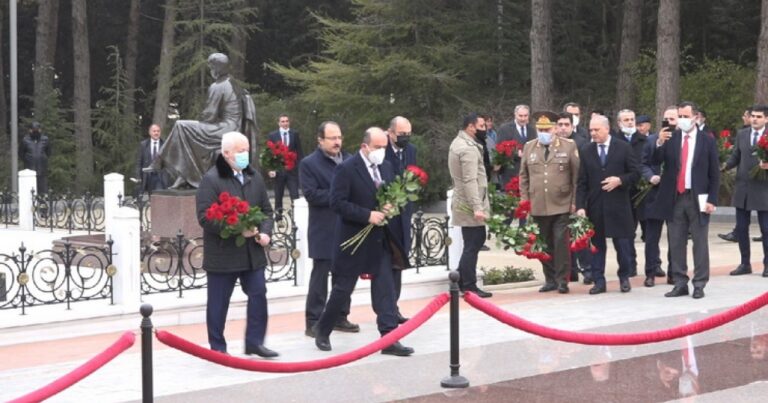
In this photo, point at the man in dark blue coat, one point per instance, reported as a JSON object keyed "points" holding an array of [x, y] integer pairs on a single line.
{"points": [[353, 198], [315, 175], [608, 171], [687, 196], [149, 149], [400, 153], [284, 134], [224, 262]]}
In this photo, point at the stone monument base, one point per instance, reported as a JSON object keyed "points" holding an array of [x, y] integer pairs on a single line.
{"points": [[174, 211]]}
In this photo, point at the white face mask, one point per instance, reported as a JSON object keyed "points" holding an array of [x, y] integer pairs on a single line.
{"points": [[627, 130], [545, 138], [685, 124], [376, 156], [575, 121]]}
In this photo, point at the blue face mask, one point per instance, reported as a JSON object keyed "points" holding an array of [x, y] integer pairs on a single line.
{"points": [[241, 160], [545, 138]]}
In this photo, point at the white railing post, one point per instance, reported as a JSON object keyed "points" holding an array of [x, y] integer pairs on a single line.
{"points": [[113, 186], [127, 257], [27, 182], [304, 263], [457, 242]]}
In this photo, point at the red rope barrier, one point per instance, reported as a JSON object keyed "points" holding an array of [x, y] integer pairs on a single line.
{"points": [[267, 366], [610, 339], [78, 374]]}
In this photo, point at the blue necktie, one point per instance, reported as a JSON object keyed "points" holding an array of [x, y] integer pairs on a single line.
{"points": [[754, 138], [602, 154], [522, 132]]}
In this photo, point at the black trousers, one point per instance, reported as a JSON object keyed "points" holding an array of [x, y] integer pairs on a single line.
{"points": [[743, 219], [554, 229], [382, 299], [474, 238], [318, 292], [220, 287], [685, 220], [283, 179]]}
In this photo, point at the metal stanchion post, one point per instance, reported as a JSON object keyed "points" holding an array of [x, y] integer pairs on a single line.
{"points": [[454, 380], [147, 394]]}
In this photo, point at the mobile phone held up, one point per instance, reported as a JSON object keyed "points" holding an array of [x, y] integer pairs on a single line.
{"points": [[665, 124]]}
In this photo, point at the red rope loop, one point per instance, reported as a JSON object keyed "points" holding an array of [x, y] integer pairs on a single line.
{"points": [[78, 374], [610, 339], [269, 366]]}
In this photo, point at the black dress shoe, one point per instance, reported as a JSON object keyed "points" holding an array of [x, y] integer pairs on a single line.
{"points": [[345, 325], [309, 332], [625, 286], [588, 279], [563, 288], [398, 350], [698, 292], [322, 342], [678, 291], [765, 272], [757, 239], [484, 248], [742, 269], [649, 281], [598, 289], [261, 351], [482, 294], [548, 287], [659, 272], [401, 319], [730, 237]]}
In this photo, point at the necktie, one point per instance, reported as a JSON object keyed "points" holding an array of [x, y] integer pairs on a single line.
{"points": [[400, 156], [754, 138], [239, 176], [285, 138], [154, 149], [522, 132], [683, 166], [602, 155], [376, 177], [546, 152]]}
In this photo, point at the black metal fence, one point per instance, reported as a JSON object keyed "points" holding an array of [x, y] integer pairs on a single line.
{"points": [[65, 211], [428, 241], [141, 203], [61, 275], [9, 209]]}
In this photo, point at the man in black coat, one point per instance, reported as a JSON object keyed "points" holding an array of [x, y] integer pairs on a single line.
{"points": [[353, 198], [315, 176], [148, 150], [224, 262], [400, 153], [34, 150], [521, 131], [283, 178], [580, 134], [750, 193], [608, 171], [687, 196]]}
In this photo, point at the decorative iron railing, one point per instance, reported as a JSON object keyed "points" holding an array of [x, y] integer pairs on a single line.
{"points": [[62, 275], [64, 211], [140, 202], [9, 207], [429, 237]]}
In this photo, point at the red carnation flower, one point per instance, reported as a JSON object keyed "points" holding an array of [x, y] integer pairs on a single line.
{"points": [[232, 219], [725, 133], [224, 196]]}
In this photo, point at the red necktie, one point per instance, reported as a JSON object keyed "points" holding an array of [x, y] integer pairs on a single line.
{"points": [[683, 166]]}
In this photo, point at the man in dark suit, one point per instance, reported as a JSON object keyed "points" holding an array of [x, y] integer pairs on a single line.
{"points": [[353, 198], [519, 130], [746, 123], [749, 193], [223, 260], [315, 175], [283, 178], [148, 150], [580, 134], [629, 134], [687, 196], [34, 151], [654, 221], [401, 153], [608, 171]]}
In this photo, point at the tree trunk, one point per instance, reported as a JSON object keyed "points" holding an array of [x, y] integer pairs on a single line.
{"points": [[131, 52], [541, 55], [82, 96], [239, 46], [5, 142], [631, 31], [499, 41], [667, 56], [45, 52], [160, 114], [761, 85]]}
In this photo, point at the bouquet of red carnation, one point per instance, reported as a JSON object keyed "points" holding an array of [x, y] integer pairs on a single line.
{"points": [[523, 209], [724, 145], [582, 231], [523, 240], [277, 156], [760, 152], [643, 188], [235, 216], [404, 189], [513, 186], [505, 152]]}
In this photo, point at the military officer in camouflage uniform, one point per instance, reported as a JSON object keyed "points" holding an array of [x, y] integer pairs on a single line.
{"points": [[549, 172]]}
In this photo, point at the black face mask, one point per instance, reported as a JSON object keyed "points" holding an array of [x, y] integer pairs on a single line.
{"points": [[480, 135], [402, 141]]}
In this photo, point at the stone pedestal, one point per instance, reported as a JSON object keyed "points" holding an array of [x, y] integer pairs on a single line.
{"points": [[174, 210]]}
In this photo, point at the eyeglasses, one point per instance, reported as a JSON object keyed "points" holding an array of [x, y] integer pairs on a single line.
{"points": [[334, 138]]}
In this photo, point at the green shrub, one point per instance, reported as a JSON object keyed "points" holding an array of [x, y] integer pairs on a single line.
{"points": [[508, 274]]}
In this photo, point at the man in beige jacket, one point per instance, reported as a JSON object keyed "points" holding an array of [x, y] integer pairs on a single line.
{"points": [[548, 176], [470, 192]]}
